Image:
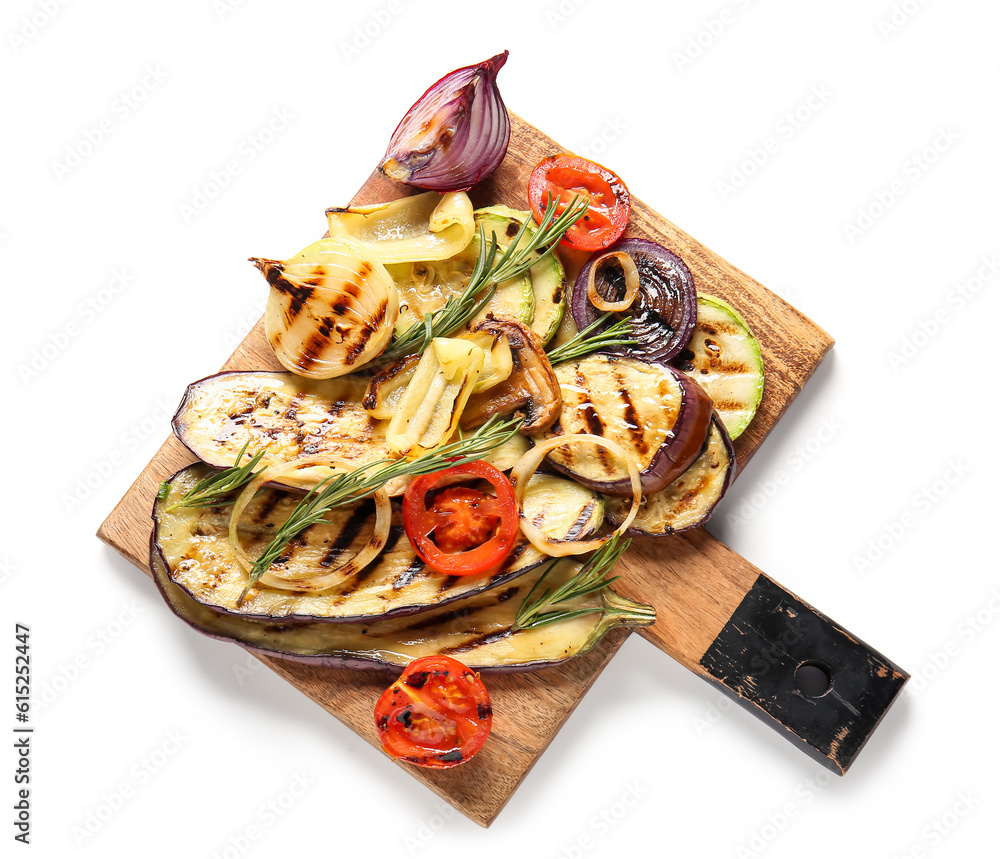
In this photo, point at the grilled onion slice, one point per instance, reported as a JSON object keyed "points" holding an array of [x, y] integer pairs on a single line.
{"points": [[330, 310], [521, 473], [329, 576]]}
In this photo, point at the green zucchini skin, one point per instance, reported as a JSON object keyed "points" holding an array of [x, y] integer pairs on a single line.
{"points": [[724, 357], [194, 544], [476, 630], [548, 277]]}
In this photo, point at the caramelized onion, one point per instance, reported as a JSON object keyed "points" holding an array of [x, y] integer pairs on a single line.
{"points": [[455, 135], [329, 576], [631, 282], [527, 465]]}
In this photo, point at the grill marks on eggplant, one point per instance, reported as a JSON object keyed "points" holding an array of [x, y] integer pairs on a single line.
{"points": [[351, 528], [195, 546], [478, 627], [627, 401], [691, 498], [478, 641], [286, 415], [593, 422]]}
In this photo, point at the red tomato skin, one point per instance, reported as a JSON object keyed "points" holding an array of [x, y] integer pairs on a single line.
{"points": [[437, 714], [564, 175], [419, 522]]}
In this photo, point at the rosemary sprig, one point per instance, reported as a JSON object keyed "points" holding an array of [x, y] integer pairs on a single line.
{"points": [[487, 273], [545, 609], [345, 488], [216, 488], [586, 341]]}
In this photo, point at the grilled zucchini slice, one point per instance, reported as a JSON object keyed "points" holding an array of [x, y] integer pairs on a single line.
{"points": [[724, 358]]}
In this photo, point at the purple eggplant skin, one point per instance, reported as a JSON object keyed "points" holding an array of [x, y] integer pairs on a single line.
{"points": [[684, 441], [208, 622], [719, 428], [284, 414], [182, 605], [665, 309]]}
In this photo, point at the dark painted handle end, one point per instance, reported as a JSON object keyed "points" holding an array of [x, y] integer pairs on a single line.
{"points": [[807, 677]]}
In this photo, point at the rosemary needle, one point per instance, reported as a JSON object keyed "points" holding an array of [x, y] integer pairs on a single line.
{"points": [[552, 606], [593, 338], [215, 489]]}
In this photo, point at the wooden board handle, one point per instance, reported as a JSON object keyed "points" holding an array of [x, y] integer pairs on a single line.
{"points": [[789, 664], [800, 672], [803, 674]]}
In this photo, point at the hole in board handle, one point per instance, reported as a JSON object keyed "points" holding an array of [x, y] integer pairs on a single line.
{"points": [[813, 679]]}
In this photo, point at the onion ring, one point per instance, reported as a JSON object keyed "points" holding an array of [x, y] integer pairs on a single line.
{"points": [[631, 282], [528, 464], [341, 570]]}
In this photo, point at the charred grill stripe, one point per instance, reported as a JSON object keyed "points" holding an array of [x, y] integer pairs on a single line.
{"points": [[733, 366], [348, 533], [639, 440], [395, 534], [378, 317], [312, 350], [352, 288], [271, 500], [512, 559], [478, 641], [595, 426], [409, 574], [722, 405], [363, 333], [440, 619], [579, 527], [298, 294]]}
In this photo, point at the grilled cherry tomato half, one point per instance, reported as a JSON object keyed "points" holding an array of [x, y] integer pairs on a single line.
{"points": [[456, 529], [564, 176], [438, 714]]}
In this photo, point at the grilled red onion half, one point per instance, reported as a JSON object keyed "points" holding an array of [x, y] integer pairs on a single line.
{"points": [[665, 308], [455, 135]]}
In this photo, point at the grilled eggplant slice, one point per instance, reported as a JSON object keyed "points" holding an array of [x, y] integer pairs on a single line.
{"points": [[194, 545], [724, 358], [649, 409], [691, 498], [476, 630], [284, 414]]}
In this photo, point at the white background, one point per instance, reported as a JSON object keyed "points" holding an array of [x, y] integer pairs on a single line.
{"points": [[875, 213]]}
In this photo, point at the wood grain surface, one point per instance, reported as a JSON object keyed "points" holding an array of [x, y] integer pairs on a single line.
{"points": [[694, 581]]}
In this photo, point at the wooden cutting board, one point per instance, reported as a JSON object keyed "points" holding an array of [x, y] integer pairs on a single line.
{"points": [[716, 613]]}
